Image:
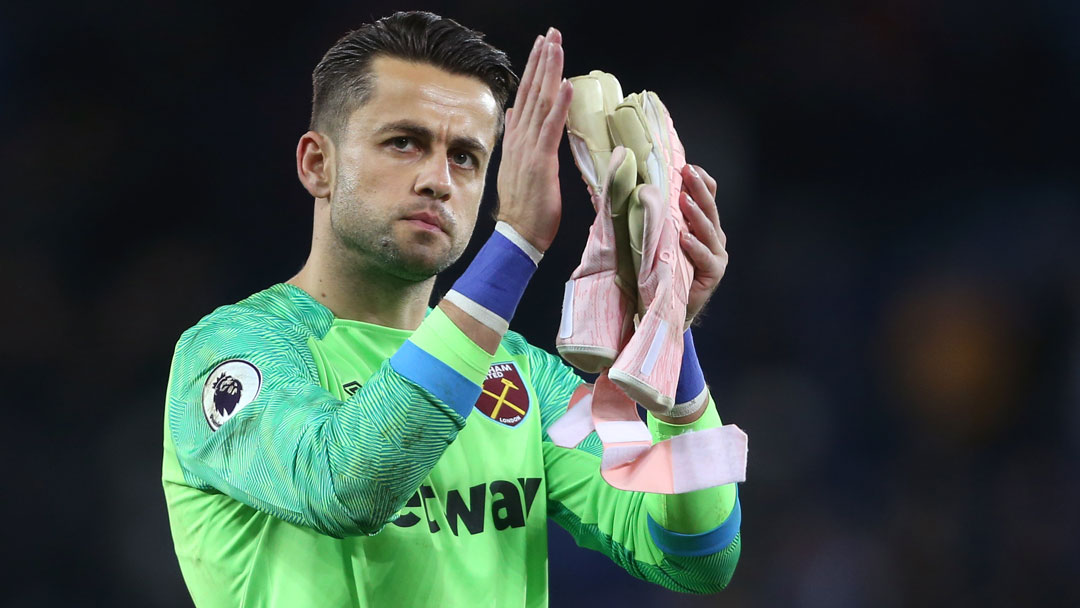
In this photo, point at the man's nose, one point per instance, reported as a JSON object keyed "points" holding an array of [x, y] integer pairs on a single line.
{"points": [[434, 178]]}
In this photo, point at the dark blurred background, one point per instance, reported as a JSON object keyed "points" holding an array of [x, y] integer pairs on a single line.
{"points": [[897, 331]]}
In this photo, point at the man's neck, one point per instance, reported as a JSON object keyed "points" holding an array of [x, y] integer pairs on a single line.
{"points": [[365, 294]]}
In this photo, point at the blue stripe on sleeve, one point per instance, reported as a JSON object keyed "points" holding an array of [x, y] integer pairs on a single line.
{"points": [[693, 545], [436, 377]]}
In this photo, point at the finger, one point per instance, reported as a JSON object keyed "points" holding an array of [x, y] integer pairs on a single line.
{"points": [[554, 35], [552, 79], [699, 223], [710, 183], [526, 79], [708, 267], [529, 74], [695, 185], [529, 93], [531, 101], [552, 130]]}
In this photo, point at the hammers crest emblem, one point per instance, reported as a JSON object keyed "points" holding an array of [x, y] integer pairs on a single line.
{"points": [[504, 397]]}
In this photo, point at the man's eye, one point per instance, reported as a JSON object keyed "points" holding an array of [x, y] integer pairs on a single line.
{"points": [[464, 160], [401, 143]]}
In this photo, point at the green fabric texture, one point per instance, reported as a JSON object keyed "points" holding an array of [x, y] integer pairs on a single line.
{"points": [[441, 338], [343, 484], [331, 464], [613, 521], [692, 512]]}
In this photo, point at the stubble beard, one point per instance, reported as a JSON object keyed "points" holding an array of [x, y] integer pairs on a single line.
{"points": [[371, 237]]}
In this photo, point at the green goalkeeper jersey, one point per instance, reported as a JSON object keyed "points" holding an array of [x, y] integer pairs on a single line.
{"points": [[316, 461]]}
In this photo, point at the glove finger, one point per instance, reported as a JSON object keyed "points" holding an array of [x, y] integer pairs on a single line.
{"points": [[629, 128], [622, 180], [635, 225], [595, 96], [647, 216], [666, 144]]}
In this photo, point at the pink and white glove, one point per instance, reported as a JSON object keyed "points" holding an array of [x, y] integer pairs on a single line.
{"points": [[647, 368], [598, 303], [597, 313], [631, 159]]}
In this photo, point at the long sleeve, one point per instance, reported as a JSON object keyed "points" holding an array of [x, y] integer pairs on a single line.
{"points": [[289, 447], [629, 527]]}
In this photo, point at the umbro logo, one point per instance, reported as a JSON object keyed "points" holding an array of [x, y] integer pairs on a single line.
{"points": [[350, 388]]}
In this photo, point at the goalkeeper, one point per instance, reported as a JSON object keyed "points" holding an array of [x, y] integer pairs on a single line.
{"points": [[332, 441]]}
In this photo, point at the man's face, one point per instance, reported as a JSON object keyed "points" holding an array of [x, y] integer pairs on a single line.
{"points": [[410, 168]]}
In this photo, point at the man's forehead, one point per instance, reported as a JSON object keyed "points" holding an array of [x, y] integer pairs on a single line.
{"points": [[404, 90]]}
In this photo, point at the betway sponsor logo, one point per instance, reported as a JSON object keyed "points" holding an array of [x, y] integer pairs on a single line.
{"points": [[509, 506]]}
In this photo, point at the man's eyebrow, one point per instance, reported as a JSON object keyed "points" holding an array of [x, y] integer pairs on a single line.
{"points": [[460, 142]]}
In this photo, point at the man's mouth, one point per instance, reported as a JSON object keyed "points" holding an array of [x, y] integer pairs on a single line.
{"points": [[425, 220]]}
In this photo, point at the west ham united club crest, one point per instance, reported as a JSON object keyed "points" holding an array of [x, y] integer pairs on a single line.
{"points": [[504, 398], [232, 385]]}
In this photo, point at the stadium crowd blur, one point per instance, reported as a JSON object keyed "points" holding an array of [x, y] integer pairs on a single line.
{"points": [[897, 331]]}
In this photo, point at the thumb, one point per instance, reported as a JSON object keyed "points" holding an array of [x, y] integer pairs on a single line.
{"points": [[622, 179]]}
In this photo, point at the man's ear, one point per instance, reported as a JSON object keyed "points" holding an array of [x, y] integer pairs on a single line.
{"points": [[315, 163]]}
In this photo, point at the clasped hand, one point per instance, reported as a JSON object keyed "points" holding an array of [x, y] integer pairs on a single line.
{"points": [[529, 196], [528, 184]]}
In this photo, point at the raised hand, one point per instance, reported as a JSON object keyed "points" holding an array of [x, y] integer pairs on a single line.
{"points": [[705, 244], [528, 184]]}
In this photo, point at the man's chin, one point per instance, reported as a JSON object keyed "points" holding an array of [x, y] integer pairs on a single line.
{"points": [[406, 255], [414, 266], [413, 272]]}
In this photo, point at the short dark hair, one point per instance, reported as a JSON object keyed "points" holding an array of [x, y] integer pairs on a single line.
{"points": [[342, 81]]}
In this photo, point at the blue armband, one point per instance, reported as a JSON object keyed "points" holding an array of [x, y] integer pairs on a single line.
{"points": [[492, 285], [693, 545], [691, 390]]}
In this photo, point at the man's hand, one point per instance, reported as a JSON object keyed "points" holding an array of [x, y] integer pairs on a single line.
{"points": [[705, 244], [528, 185]]}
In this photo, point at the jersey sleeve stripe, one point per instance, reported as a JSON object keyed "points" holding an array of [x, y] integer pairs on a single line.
{"points": [[693, 545], [438, 378], [440, 338]]}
